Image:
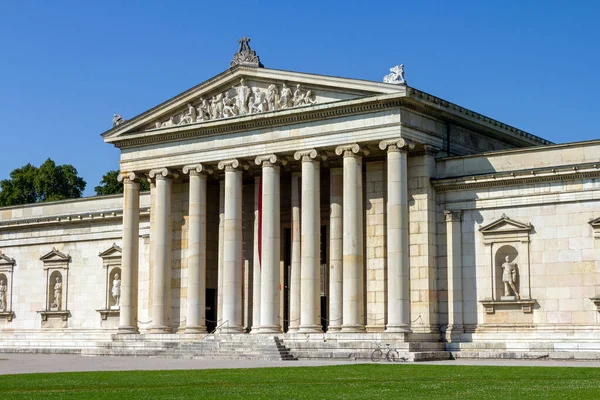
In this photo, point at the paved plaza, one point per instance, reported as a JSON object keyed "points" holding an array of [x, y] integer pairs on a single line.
{"points": [[35, 363]]}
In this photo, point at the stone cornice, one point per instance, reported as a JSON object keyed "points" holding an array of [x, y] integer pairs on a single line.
{"points": [[437, 103], [520, 177], [74, 218]]}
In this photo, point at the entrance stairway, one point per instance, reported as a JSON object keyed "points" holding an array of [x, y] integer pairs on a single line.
{"points": [[222, 346]]}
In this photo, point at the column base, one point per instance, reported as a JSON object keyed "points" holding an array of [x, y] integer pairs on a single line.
{"points": [[293, 329], [398, 328], [310, 329], [269, 329], [128, 329], [353, 328], [454, 332], [195, 329], [160, 329], [230, 329], [336, 328]]}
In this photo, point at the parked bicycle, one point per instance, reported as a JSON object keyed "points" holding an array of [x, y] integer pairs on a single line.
{"points": [[391, 354]]}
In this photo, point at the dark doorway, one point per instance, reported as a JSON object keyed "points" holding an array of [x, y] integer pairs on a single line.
{"points": [[211, 309], [324, 279], [287, 262]]}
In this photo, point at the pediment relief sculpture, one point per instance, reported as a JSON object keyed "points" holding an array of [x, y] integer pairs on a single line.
{"points": [[238, 101]]}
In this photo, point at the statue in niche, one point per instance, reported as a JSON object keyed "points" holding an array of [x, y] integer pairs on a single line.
{"points": [[509, 277], [56, 304], [3, 289], [272, 97], [203, 111], [116, 290], [216, 106], [258, 103], [243, 95], [396, 76], [188, 117], [229, 106], [117, 120], [286, 99]]}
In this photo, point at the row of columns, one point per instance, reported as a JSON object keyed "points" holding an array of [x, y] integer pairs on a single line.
{"points": [[346, 308]]}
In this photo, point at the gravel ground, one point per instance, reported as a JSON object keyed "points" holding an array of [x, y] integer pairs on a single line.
{"points": [[32, 363]]}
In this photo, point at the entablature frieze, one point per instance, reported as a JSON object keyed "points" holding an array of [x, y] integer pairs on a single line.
{"points": [[73, 218], [518, 177]]}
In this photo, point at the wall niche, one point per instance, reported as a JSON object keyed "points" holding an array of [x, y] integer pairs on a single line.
{"points": [[56, 268]]}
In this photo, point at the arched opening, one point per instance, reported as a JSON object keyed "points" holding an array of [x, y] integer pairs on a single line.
{"points": [[507, 273], [55, 291]]}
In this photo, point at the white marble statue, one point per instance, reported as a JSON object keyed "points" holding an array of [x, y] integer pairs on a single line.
{"points": [[299, 94], [216, 106], [396, 76], [203, 110], [56, 304], [167, 123], [116, 290], [117, 120], [188, 117], [230, 108], [243, 95], [272, 97], [286, 99], [3, 289], [509, 277], [258, 103]]}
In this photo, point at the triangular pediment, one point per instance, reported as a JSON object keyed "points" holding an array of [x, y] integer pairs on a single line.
{"points": [[595, 223], [6, 260], [505, 225], [227, 98], [113, 251], [55, 256]]}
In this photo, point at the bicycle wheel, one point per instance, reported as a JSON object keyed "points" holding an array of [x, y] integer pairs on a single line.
{"points": [[376, 355], [392, 356]]}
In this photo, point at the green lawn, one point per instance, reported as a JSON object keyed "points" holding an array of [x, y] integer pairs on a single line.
{"points": [[379, 381]]}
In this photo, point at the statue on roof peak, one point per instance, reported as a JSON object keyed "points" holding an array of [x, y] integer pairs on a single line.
{"points": [[245, 55]]}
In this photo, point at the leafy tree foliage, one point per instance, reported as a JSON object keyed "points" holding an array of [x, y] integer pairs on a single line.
{"points": [[111, 185], [49, 182]]}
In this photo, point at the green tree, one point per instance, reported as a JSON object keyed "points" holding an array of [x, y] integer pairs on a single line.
{"points": [[111, 185], [49, 182]]}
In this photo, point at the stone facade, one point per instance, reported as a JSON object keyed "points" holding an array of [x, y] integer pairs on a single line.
{"points": [[357, 210]]}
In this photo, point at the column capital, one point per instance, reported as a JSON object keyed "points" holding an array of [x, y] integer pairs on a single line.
{"points": [[351, 150], [399, 144], [232, 165], [128, 177], [309, 155], [197, 169], [454, 215], [269, 160], [162, 173]]}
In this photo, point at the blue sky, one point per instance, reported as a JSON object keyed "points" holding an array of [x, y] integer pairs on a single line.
{"points": [[67, 66]]}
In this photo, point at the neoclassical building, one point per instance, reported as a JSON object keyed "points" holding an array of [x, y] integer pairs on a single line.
{"points": [[320, 210]]}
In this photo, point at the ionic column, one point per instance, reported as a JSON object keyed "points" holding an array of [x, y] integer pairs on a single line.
{"points": [[196, 293], [397, 235], [271, 245], [256, 268], [220, 254], [353, 241], [310, 225], [130, 254], [336, 229], [161, 280], [232, 248], [454, 267], [295, 275]]}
